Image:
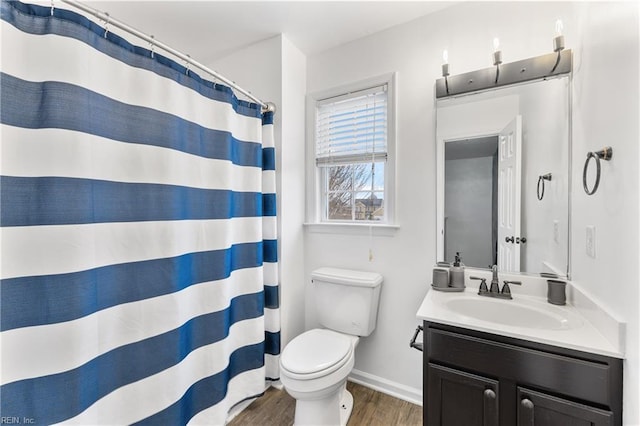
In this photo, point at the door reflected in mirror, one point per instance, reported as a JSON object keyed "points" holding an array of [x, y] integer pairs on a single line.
{"points": [[493, 149]]}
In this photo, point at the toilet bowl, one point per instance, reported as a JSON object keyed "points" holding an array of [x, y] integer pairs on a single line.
{"points": [[313, 369]]}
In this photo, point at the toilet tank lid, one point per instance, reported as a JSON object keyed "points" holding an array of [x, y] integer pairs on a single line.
{"points": [[347, 276]]}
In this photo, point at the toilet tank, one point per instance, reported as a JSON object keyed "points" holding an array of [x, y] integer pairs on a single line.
{"points": [[346, 300]]}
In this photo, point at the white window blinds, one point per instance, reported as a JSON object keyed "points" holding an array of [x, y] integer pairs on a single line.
{"points": [[352, 128]]}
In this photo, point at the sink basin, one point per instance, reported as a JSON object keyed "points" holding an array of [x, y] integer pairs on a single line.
{"points": [[522, 313]]}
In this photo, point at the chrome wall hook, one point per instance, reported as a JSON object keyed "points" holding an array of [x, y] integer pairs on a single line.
{"points": [[604, 154], [541, 179]]}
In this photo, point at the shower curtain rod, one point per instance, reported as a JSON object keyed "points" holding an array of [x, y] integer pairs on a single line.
{"points": [[266, 106]]}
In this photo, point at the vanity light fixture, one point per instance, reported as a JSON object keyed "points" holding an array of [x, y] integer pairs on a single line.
{"points": [[445, 68], [497, 57], [553, 64]]}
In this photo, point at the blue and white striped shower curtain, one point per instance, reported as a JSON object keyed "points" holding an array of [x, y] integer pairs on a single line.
{"points": [[138, 232]]}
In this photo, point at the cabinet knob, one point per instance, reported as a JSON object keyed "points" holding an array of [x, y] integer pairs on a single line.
{"points": [[490, 417], [527, 412], [490, 394]]}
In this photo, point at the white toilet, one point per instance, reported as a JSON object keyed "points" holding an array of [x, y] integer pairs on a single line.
{"points": [[314, 366]]}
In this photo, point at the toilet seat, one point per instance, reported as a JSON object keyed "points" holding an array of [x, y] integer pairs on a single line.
{"points": [[316, 353]]}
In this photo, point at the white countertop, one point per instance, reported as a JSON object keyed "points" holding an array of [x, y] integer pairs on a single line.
{"points": [[583, 337]]}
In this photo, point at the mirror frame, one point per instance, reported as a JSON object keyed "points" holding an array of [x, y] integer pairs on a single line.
{"points": [[490, 129]]}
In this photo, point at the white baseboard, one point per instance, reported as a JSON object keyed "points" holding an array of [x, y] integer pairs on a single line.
{"points": [[397, 390]]}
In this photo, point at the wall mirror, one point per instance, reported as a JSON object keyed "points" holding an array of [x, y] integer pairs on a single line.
{"points": [[503, 177]]}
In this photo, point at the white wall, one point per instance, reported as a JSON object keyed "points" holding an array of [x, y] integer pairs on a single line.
{"points": [[275, 71], [605, 111], [606, 114], [292, 195], [469, 210]]}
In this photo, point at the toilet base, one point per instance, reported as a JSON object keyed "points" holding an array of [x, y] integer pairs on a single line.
{"points": [[334, 409], [346, 406]]}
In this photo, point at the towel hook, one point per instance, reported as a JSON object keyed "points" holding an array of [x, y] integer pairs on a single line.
{"points": [[541, 179], [604, 154]]}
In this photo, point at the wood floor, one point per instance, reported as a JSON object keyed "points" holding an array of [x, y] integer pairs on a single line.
{"points": [[370, 408]]}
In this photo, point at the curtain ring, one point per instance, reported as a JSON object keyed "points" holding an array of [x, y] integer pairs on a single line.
{"points": [[106, 25], [541, 179], [604, 154], [187, 64], [153, 46]]}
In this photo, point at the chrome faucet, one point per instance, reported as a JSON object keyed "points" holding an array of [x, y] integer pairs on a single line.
{"points": [[494, 290], [495, 282]]}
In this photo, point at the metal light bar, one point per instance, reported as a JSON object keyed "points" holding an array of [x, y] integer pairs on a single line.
{"points": [[540, 67], [266, 106]]}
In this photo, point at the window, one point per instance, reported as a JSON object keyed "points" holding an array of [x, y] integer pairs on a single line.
{"points": [[352, 155]]}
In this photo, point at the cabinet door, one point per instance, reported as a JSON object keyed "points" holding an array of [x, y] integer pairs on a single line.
{"points": [[538, 409], [456, 398]]}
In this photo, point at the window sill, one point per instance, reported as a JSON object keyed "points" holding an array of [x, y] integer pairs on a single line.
{"points": [[378, 230]]}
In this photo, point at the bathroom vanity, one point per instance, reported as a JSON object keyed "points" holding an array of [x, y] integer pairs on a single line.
{"points": [[473, 378], [556, 371]]}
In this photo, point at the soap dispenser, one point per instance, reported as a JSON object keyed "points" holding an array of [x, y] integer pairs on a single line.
{"points": [[456, 273]]}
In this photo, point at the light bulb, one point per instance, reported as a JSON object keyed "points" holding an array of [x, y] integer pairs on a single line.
{"points": [[497, 54], [558, 41], [445, 63]]}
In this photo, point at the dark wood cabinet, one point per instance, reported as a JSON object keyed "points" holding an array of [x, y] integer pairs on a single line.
{"points": [[539, 409], [474, 378], [452, 389]]}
